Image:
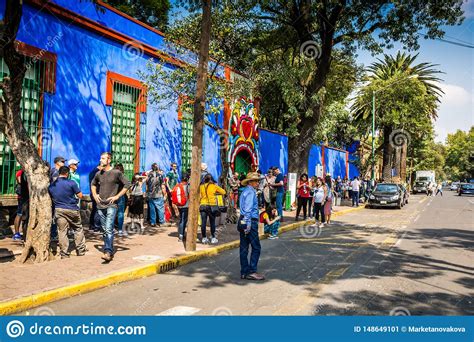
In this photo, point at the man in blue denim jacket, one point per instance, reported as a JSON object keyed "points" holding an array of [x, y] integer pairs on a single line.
{"points": [[248, 228]]}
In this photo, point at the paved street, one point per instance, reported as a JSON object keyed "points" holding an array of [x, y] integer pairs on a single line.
{"points": [[417, 260]]}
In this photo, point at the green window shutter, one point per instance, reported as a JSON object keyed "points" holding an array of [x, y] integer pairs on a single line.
{"points": [[187, 141], [124, 130], [30, 114]]}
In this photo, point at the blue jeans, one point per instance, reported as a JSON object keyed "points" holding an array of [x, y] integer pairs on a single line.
{"points": [[157, 204], [183, 220], [279, 203], [272, 229], [246, 240], [355, 198], [107, 218], [94, 219], [121, 212]]}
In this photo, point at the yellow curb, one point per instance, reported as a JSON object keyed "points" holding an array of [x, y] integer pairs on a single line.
{"points": [[133, 273]]}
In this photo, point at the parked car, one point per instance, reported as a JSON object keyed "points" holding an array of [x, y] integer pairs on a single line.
{"points": [[406, 194], [466, 189], [387, 195], [454, 186]]}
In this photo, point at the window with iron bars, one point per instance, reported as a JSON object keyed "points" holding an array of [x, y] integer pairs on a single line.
{"points": [[124, 127], [31, 114]]}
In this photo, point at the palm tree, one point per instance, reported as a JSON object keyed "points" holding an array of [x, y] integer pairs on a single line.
{"points": [[396, 72]]}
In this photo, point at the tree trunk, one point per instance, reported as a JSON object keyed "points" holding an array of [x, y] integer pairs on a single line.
{"points": [[198, 124], [397, 154], [299, 146], [387, 154], [25, 152], [403, 163]]}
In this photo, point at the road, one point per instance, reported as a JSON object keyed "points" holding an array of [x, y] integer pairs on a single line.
{"points": [[417, 261]]}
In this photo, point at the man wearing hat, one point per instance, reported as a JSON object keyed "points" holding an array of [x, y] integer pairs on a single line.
{"points": [[54, 172], [248, 228], [73, 175]]}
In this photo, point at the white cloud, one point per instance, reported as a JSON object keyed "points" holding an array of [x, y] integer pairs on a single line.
{"points": [[455, 95], [468, 8], [455, 112]]}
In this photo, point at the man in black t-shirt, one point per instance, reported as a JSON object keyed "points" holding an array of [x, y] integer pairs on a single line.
{"points": [[105, 188]]}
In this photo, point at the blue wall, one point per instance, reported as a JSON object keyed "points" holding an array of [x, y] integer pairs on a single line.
{"points": [[76, 114], [314, 159], [335, 162], [273, 151]]}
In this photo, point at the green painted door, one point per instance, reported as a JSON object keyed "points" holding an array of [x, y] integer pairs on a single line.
{"points": [[242, 163], [187, 141]]}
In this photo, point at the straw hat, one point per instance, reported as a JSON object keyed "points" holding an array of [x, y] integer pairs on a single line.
{"points": [[251, 176]]}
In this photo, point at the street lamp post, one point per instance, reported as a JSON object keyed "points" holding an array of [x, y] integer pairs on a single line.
{"points": [[373, 138]]}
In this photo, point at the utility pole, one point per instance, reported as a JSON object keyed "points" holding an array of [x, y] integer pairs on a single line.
{"points": [[198, 125], [373, 138]]}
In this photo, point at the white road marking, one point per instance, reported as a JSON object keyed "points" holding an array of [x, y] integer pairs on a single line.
{"points": [[399, 241], [416, 218], [179, 311]]}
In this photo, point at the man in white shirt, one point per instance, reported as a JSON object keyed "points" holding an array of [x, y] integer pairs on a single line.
{"points": [[355, 184]]}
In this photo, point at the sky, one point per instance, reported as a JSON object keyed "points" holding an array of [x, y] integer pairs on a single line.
{"points": [[456, 110]]}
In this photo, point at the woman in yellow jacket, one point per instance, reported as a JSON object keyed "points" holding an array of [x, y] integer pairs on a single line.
{"points": [[208, 191]]}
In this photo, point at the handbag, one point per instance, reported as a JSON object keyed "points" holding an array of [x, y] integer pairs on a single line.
{"points": [[214, 209]]}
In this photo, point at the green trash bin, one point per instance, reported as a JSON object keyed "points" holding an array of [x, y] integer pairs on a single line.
{"points": [[288, 200]]}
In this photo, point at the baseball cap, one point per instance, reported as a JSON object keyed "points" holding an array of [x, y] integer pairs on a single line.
{"points": [[59, 159], [73, 161]]}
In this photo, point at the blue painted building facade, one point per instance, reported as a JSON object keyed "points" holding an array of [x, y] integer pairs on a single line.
{"points": [[91, 45]]}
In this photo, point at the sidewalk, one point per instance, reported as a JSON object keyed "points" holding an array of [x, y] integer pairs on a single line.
{"points": [[155, 244]]}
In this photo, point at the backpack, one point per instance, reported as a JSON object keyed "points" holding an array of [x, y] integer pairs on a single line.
{"points": [[178, 195], [261, 219]]}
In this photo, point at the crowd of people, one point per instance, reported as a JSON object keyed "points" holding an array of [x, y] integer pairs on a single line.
{"points": [[166, 196]]}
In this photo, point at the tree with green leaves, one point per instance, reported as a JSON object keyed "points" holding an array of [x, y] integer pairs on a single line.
{"points": [[151, 12], [406, 99], [460, 155], [308, 35]]}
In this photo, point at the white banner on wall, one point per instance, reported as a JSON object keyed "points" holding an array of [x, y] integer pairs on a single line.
{"points": [[319, 171], [292, 186]]}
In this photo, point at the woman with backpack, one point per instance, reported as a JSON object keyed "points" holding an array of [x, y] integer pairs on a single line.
{"points": [[271, 222], [179, 197], [303, 193], [209, 207]]}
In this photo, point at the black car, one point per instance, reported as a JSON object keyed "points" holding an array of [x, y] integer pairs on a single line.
{"points": [[386, 195], [466, 189]]}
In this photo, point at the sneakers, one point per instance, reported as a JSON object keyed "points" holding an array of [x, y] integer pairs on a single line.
{"points": [[107, 257], [205, 241], [180, 237], [273, 237], [214, 241], [120, 233], [321, 225], [16, 237], [255, 276]]}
